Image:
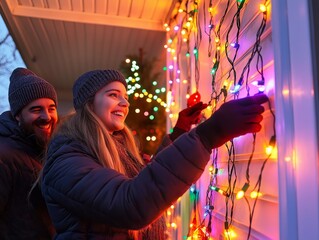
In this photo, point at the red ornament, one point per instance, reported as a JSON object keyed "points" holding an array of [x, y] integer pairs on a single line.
{"points": [[193, 99]]}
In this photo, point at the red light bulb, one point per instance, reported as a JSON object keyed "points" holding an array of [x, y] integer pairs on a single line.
{"points": [[193, 99]]}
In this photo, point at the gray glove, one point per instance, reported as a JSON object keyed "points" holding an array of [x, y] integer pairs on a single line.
{"points": [[232, 119]]}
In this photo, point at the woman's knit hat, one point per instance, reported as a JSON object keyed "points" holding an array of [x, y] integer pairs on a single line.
{"points": [[86, 86], [25, 87]]}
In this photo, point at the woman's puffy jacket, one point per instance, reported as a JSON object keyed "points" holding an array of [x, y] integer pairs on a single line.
{"points": [[88, 201]]}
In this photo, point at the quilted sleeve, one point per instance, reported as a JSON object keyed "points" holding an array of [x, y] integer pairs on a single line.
{"points": [[86, 189], [5, 181]]}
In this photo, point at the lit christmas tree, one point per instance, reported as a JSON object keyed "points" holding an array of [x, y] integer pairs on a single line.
{"points": [[147, 94]]}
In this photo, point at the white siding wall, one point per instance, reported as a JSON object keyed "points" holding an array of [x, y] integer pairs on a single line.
{"points": [[297, 140]]}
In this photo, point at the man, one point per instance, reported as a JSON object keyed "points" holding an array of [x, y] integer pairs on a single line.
{"points": [[24, 134]]}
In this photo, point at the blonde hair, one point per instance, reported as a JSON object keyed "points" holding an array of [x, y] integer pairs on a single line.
{"points": [[86, 126]]}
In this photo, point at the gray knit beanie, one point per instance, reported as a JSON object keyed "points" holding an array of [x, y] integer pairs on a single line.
{"points": [[25, 87], [86, 86]]}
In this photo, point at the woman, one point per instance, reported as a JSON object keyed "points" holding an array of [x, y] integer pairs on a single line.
{"points": [[94, 181]]}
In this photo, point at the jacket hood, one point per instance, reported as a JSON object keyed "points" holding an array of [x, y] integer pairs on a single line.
{"points": [[9, 128], [56, 143], [61, 144], [8, 125]]}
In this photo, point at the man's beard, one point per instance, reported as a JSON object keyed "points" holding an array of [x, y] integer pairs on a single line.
{"points": [[42, 138]]}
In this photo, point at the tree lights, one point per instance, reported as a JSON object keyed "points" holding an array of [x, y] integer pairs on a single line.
{"points": [[147, 108]]}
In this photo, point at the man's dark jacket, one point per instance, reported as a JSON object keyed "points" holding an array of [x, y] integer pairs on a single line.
{"points": [[19, 166]]}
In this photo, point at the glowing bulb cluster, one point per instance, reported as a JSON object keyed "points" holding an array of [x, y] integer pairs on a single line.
{"points": [[240, 194], [135, 89], [151, 138]]}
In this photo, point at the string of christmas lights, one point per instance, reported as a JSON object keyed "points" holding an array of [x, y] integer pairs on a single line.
{"points": [[183, 34]]}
